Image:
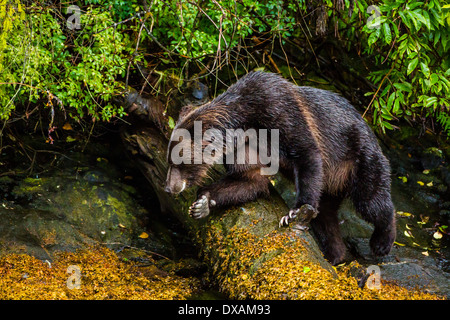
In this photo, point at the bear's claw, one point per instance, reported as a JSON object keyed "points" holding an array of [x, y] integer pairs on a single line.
{"points": [[200, 208], [289, 217], [304, 214]]}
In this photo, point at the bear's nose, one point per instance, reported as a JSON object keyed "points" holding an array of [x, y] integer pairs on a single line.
{"points": [[168, 189]]}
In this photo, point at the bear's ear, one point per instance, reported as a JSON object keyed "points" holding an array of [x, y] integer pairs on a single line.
{"points": [[185, 111]]}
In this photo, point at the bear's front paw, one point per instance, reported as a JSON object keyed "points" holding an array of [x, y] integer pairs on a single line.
{"points": [[200, 208], [304, 215], [289, 217]]}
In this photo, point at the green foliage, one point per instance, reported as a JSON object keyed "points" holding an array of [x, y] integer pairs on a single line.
{"points": [[196, 29], [11, 18], [45, 63], [410, 41]]}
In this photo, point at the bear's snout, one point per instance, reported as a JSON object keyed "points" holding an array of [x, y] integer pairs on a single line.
{"points": [[175, 189], [174, 183]]}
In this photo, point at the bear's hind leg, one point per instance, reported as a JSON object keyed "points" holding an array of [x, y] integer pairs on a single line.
{"points": [[380, 212], [326, 229], [371, 197]]}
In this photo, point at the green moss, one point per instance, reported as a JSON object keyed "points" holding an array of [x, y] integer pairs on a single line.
{"points": [[435, 151], [119, 209], [28, 187], [5, 180]]}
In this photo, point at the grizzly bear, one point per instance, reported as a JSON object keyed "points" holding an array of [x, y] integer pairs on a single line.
{"points": [[324, 146]]}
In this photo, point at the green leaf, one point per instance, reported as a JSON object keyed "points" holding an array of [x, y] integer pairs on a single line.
{"points": [[445, 82], [447, 73], [425, 69], [415, 4], [430, 100], [374, 37], [385, 91], [421, 18], [403, 86], [427, 20], [386, 116], [414, 20], [412, 55], [434, 79], [405, 19], [444, 41], [412, 65], [439, 18], [171, 123], [391, 100], [387, 33], [387, 125], [437, 36], [396, 106], [426, 85], [403, 37]]}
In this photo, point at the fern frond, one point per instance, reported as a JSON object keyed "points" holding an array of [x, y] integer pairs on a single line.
{"points": [[443, 117]]}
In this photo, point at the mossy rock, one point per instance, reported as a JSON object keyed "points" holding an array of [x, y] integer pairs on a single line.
{"points": [[66, 212]]}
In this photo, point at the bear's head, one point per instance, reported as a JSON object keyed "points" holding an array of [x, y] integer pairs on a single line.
{"points": [[187, 165], [180, 177]]}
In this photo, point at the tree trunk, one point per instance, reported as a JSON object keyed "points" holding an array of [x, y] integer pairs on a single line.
{"points": [[248, 254]]}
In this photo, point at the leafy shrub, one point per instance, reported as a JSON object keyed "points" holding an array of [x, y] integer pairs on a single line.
{"points": [[197, 29], [412, 40], [42, 62]]}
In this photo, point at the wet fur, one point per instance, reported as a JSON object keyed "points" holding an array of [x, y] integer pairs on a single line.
{"points": [[325, 145]]}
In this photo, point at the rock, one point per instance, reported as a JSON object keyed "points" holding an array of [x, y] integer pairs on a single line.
{"points": [[431, 158], [96, 176], [408, 267], [199, 91], [407, 264], [86, 210], [445, 214], [445, 205], [68, 210], [428, 197], [446, 175], [247, 254]]}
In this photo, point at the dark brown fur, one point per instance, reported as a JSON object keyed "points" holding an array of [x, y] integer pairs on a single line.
{"points": [[325, 146]]}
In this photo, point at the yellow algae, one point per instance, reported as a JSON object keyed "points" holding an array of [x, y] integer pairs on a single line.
{"points": [[275, 267], [102, 276]]}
